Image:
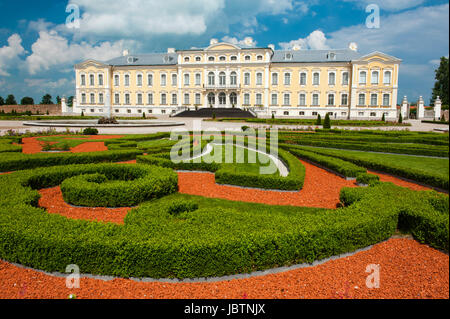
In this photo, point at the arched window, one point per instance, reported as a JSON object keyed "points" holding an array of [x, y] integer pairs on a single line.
{"points": [[150, 98], [374, 99], [211, 78], [83, 79], [387, 77], [174, 79], [287, 99], [83, 98], [233, 58], [330, 99], [315, 99], [375, 76], [139, 99], [316, 78], [362, 77], [362, 99], [198, 59], [174, 99], [222, 79], [127, 80], [233, 99], [222, 98], [287, 78], [211, 99], [302, 99], [247, 58], [274, 100], [163, 99], [259, 58], [332, 78], [259, 78], [91, 80], [186, 99], [246, 99], [303, 78], [139, 80], [386, 99], [247, 78], [186, 59], [116, 80], [258, 99], [274, 78], [222, 58], [198, 79], [117, 98], [211, 59], [100, 98], [163, 80], [186, 79], [150, 80], [100, 79], [92, 98], [233, 78], [345, 78], [344, 99], [127, 99]]}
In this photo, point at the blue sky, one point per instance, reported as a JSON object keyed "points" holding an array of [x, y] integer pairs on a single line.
{"points": [[38, 50]]}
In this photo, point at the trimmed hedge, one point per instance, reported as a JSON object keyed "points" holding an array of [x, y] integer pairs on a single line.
{"points": [[339, 166], [367, 179], [14, 162], [124, 186], [219, 238]]}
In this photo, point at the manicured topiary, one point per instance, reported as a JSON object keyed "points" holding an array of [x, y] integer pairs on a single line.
{"points": [[319, 120], [327, 122]]}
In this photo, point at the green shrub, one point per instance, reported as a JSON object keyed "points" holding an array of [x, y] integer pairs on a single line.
{"points": [[367, 179], [90, 131], [327, 122], [178, 207], [319, 120]]}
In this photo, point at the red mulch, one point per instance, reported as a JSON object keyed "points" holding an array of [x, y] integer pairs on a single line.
{"points": [[52, 200], [408, 270], [321, 189], [400, 182]]}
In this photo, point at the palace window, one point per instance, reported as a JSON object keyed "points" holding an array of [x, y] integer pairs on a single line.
{"points": [[211, 99], [211, 59], [387, 78], [174, 80], [362, 77], [233, 78], [233, 98], [222, 98], [315, 99], [174, 99], [386, 99], [139, 99], [211, 78], [139, 80], [163, 99], [100, 79], [259, 58], [247, 78], [150, 98], [344, 99], [373, 114], [186, 59], [100, 98], [274, 99], [198, 59], [186, 79], [258, 78], [83, 98], [186, 98], [374, 99], [83, 80], [197, 98], [198, 79], [332, 78], [127, 99], [286, 99], [149, 79], [247, 99], [222, 58], [222, 78], [247, 58], [302, 99], [303, 78], [362, 99], [274, 78], [345, 78], [375, 76], [287, 79], [91, 80], [330, 99], [316, 78], [288, 56], [301, 113], [163, 80], [127, 80], [116, 80], [258, 99], [92, 98], [117, 98], [233, 58]]}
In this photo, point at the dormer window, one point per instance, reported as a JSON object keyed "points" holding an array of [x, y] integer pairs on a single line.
{"points": [[259, 58], [233, 58], [131, 59], [247, 58], [198, 59], [288, 56], [331, 56], [186, 59], [222, 58], [211, 59]]}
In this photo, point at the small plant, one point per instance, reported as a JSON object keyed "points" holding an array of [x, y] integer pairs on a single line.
{"points": [[319, 120], [90, 131]]}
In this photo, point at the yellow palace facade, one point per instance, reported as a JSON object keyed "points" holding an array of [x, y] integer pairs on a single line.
{"points": [[296, 83]]}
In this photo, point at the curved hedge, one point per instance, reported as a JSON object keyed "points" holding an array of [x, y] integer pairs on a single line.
{"points": [[203, 237], [136, 184]]}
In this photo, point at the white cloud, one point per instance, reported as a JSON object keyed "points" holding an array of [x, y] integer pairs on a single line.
{"points": [[248, 41], [315, 41], [45, 83], [51, 49], [10, 53], [390, 5]]}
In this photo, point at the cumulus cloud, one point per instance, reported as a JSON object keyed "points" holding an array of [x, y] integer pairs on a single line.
{"points": [[390, 5], [45, 83], [247, 42], [10, 53], [52, 49], [315, 41]]}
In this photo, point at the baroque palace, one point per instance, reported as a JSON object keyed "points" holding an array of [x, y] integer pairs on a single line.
{"points": [[296, 83]]}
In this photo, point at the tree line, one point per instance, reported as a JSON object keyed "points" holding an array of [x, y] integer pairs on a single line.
{"points": [[47, 99]]}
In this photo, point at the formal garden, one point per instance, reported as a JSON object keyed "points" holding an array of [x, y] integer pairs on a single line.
{"points": [[331, 192]]}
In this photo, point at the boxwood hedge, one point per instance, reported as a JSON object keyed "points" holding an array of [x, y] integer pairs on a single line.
{"points": [[218, 238]]}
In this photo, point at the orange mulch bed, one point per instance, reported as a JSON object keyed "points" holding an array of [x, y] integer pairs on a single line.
{"points": [[400, 182], [52, 200], [321, 189], [31, 145], [408, 270]]}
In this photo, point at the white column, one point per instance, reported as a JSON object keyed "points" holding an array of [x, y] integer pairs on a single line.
{"points": [[63, 105], [437, 109], [404, 108], [420, 108]]}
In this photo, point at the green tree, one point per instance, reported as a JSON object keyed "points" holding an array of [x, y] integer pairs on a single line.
{"points": [[11, 100], [47, 99], [27, 101], [441, 85], [319, 120], [383, 118], [70, 101], [2, 101], [58, 100], [327, 122], [400, 118]]}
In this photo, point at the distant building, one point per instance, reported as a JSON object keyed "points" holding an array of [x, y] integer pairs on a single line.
{"points": [[296, 83]]}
